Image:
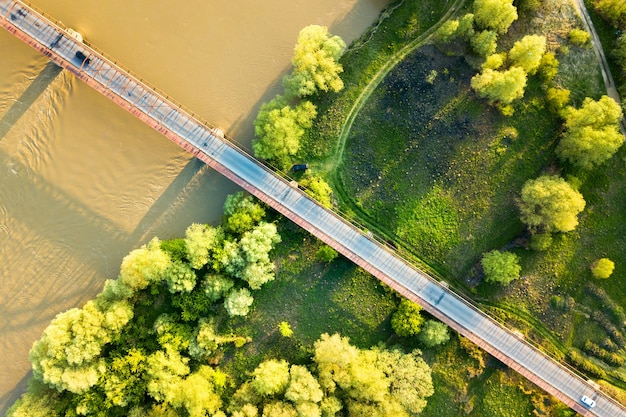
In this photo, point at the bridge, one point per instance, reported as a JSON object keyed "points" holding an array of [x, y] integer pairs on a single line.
{"points": [[67, 49]]}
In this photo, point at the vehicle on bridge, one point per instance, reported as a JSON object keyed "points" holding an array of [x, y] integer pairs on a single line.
{"points": [[588, 401]]}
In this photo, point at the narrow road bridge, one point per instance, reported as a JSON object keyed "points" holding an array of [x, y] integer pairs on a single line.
{"points": [[65, 48]]}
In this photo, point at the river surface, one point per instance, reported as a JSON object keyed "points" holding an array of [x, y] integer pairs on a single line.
{"points": [[82, 182]]}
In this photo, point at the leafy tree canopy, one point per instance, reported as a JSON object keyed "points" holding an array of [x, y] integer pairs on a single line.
{"points": [[495, 14], [550, 204], [528, 52], [602, 268], [200, 240], [242, 212], [500, 86], [279, 127], [316, 63], [592, 133], [407, 320], [319, 189], [501, 267], [433, 333], [484, 43]]}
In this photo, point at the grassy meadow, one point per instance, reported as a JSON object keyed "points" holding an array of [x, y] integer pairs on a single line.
{"points": [[423, 162]]}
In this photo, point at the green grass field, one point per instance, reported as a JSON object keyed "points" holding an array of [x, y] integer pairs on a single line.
{"points": [[429, 166]]}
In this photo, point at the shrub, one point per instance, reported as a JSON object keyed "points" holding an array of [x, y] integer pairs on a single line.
{"points": [[501, 267], [326, 254], [541, 241], [407, 320], [433, 333], [602, 268], [579, 37]]}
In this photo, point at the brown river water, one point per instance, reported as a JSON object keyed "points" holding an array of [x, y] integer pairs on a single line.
{"points": [[82, 182]]}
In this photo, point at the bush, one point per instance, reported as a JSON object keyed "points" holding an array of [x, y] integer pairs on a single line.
{"points": [[501, 267], [579, 37], [326, 254], [602, 268], [433, 333], [541, 241], [407, 320]]}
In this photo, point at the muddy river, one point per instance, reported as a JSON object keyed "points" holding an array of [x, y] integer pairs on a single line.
{"points": [[82, 182]]}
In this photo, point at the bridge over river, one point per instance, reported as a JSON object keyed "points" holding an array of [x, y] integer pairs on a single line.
{"points": [[66, 48]]}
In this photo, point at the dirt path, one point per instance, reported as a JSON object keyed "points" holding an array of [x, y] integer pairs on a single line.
{"points": [[380, 75], [611, 88]]}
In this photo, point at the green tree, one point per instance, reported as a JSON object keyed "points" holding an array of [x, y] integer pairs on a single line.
{"points": [[200, 240], [466, 26], [433, 333], [500, 86], [258, 273], [145, 265], [549, 67], [550, 204], [279, 127], [407, 320], [495, 14], [319, 189], [500, 267], [528, 52], [409, 377], [316, 63], [494, 61], [557, 98], [612, 10], [238, 302], [333, 356], [39, 401], [484, 43], [271, 377], [200, 392], [527, 6], [165, 371], [257, 243], [279, 409], [67, 355], [326, 254], [592, 133], [180, 277], [447, 32], [602, 268], [216, 286], [242, 212], [124, 384], [303, 386]]}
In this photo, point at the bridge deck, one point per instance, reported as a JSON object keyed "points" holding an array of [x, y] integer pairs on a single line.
{"points": [[195, 136]]}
